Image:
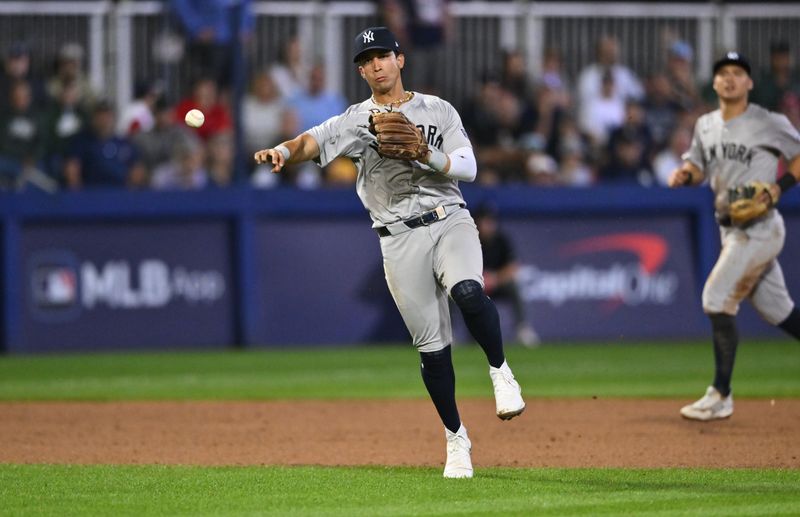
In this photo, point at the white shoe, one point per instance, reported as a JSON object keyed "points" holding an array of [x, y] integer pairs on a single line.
{"points": [[528, 337], [507, 393], [711, 406], [459, 461]]}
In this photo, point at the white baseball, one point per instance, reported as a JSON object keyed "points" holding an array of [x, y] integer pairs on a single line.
{"points": [[194, 118]]}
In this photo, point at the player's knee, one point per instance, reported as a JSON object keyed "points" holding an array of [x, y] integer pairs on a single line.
{"points": [[711, 305], [468, 295], [436, 363]]}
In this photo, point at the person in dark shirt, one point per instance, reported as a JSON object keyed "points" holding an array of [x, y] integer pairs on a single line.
{"points": [[17, 67], [500, 268], [780, 80], [99, 158], [21, 141]]}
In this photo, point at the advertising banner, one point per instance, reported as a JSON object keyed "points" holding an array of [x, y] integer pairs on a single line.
{"points": [[604, 278], [322, 282], [93, 286]]}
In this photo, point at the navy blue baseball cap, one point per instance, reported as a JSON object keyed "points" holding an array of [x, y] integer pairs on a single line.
{"points": [[374, 38], [732, 58]]}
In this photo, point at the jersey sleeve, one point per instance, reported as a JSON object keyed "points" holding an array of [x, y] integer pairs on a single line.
{"points": [[786, 138], [337, 136], [695, 153], [455, 136]]}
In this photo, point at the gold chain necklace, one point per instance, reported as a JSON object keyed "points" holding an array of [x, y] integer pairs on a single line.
{"points": [[407, 97]]}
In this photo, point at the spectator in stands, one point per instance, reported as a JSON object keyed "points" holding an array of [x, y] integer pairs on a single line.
{"points": [[541, 170], [221, 154], [312, 107], [205, 97], [679, 73], [64, 119], [572, 152], [138, 115], [779, 80], [553, 76], [209, 29], [495, 120], [541, 105], [99, 158], [185, 171], [501, 269], [574, 171], [156, 145], [627, 163], [661, 110], [514, 75], [266, 118], [317, 103], [553, 99], [601, 114], [593, 80], [341, 172], [568, 139], [790, 106], [69, 70], [423, 28], [290, 72], [17, 67], [670, 158], [22, 141], [633, 127]]}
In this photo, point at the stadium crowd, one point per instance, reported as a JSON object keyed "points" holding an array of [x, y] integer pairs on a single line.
{"points": [[608, 125]]}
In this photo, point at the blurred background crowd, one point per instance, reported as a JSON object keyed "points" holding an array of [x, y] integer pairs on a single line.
{"points": [[609, 123]]}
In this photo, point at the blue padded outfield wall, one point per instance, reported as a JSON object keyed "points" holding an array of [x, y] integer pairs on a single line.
{"points": [[147, 270]]}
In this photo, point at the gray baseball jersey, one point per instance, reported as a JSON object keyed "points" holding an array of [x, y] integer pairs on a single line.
{"points": [[731, 153], [421, 265], [393, 190]]}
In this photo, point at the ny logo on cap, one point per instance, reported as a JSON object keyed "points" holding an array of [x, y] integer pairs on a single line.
{"points": [[733, 55], [368, 36]]}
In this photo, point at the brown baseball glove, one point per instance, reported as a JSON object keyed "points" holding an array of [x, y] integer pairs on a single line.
{"points": [[749, 202], [397, 136]]}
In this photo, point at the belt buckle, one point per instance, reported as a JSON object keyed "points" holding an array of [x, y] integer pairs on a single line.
{"points": [[437, 214]]}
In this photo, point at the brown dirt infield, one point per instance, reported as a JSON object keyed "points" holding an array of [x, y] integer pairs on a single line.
{"points": [[551, 433]]}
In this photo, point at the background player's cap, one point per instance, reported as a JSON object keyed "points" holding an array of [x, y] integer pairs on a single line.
{"points": [[732, 58], [374, 38]]}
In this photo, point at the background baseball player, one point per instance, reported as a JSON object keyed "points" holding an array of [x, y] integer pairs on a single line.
{"points": [[737, 148], [408, 175]]}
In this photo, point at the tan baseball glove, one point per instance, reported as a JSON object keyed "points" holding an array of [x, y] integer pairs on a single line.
{"points": [[397, 136], [749, 202]]}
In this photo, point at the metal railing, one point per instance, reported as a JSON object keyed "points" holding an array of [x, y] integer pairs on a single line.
{"points": [[127, 41]]}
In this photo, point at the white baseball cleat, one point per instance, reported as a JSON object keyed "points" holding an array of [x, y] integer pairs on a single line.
{"points": [[712, 406], [507, 393], [459, 461]]}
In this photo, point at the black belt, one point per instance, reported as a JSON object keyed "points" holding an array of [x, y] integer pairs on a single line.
{"points": [[425, 219]]}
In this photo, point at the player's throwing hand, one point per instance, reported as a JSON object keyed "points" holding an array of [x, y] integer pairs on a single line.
{"points": [[273, 156]]}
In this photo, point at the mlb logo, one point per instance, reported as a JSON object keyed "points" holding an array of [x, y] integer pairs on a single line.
{"points": [[55, 287]]}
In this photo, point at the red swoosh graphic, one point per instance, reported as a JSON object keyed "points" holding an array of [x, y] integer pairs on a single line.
{"points": [[650, 248]]}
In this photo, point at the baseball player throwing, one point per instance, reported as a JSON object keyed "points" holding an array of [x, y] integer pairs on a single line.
{"points": [[408, 174], [737, 148]]}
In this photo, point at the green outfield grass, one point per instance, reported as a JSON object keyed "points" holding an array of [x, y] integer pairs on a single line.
{"points": [[764, 369], [369, 491]]}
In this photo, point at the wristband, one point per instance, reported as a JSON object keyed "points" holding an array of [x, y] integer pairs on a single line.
{"points": [[787, 181], [284, 151], [689, 178], [437, 160]]}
